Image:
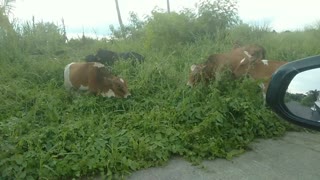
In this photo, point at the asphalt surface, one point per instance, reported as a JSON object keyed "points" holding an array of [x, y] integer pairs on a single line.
{"points": [[303, 111], [295, 156]]}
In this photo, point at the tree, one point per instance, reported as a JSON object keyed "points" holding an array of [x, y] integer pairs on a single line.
{"points": [[314, 94], [9, 40], [5, 9], [311, 97], [119, 18], [64, 31]]}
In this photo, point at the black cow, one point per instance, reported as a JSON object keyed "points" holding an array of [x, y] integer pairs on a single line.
{"points": [[109, 57], [106, 56], [132, 55], [91, 58], [103, 56]]}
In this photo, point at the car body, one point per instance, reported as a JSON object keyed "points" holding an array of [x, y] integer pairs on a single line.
{"points": [[278, 88]]}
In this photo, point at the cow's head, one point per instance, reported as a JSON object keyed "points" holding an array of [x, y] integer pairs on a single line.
{"points": [[196, 74], [256, 52], [115, 87], [253, 53], [250, 53]]}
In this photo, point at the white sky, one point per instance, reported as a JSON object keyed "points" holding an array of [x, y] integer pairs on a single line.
{"points": [[305, 81], [97, 15]]}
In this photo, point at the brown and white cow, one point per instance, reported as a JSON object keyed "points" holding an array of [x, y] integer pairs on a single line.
{"points": [[216, 62], [259, 70], [252, 65], [95, 78]]}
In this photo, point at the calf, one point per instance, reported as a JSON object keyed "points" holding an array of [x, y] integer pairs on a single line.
{"points": [[95, 78], [216, 62]]}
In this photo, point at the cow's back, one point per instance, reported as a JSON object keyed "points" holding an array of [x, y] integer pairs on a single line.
{"points": [[106, 56], [230, 60], [216, 62], [265, 68], [91, 58], [81, 75], [259, 70]]}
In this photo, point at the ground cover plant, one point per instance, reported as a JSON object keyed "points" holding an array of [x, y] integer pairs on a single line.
{"points": [[49, 133]]}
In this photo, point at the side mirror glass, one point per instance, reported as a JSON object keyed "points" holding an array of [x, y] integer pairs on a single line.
{"points": [[294, 92], [302, 96]]}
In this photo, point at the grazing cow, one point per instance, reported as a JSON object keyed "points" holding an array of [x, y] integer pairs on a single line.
{"points": [[259, 70], [132, 55], [108, 57], [95, 78], [254, 52], [91, 58], [216, 62]]}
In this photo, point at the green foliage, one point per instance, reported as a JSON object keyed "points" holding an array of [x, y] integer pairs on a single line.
{"points": [[245, 34], [5, 7], [216, 15], [307, 99], [133, 30], [41, 38], [8, 36], [294, 97], [167, 31], [310, 98], [285, 46], [49, 133]]}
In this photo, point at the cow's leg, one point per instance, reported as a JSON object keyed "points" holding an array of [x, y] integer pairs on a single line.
{"points": [[262, 86]]}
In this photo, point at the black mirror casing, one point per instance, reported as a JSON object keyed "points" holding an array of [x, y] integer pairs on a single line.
{"points": [[278, 87]]}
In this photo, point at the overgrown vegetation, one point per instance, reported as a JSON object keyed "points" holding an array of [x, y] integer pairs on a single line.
{"points": [[48, 133]]}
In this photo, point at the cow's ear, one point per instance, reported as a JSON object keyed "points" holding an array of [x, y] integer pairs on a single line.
{"points": [[247, 54], [193, 67], [243, 61]]}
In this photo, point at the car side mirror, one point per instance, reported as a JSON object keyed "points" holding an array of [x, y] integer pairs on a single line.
{"points": [[294, 90]]}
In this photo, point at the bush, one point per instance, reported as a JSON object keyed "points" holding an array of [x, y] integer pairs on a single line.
{"points": [[169, 31], [41, 38]]}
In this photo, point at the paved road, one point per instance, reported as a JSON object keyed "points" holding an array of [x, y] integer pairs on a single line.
{"points": [[303, 111], [295, 156]]}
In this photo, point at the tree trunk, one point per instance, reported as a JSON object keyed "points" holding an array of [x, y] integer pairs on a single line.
{"points": [[119, 19], [168, 6], [64, 31]]}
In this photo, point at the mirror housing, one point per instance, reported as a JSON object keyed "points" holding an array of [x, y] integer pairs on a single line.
{"points": [[278, 87]]}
